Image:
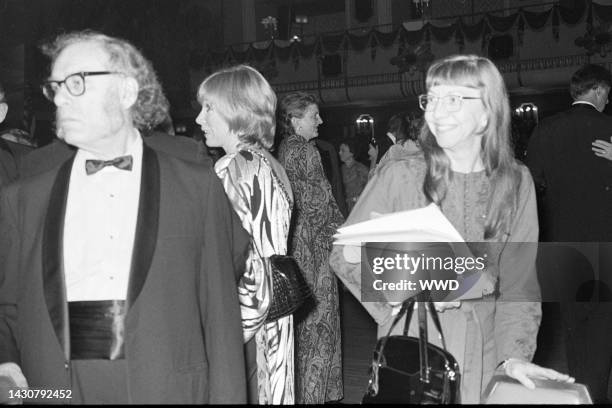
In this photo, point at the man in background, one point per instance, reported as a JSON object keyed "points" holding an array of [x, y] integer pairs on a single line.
{"points": [[575, 186]]}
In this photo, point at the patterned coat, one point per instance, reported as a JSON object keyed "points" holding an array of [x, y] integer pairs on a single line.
{"points": [[262, 199], [315, 220]]}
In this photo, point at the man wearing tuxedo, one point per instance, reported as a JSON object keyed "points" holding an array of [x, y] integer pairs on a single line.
{"points": [[119, 263], [575, 185]]}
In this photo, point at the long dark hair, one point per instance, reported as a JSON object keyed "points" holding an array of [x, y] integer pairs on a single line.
{"points": [[500, 166]]}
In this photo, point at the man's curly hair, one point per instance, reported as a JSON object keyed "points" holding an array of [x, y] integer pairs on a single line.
{"points": [[151, 107]]}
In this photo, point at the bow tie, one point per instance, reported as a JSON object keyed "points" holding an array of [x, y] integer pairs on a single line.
{"points": [[94, 166]]}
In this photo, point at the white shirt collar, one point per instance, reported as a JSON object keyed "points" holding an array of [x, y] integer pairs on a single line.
{"points": [[584, 103]]}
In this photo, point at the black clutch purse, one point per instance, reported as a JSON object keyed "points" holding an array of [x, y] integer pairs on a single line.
{"points": [[409, 370], [289, 288]]}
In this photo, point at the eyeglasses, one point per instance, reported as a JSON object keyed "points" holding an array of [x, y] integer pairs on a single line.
{"points": [[75, 83], [452, 103]]}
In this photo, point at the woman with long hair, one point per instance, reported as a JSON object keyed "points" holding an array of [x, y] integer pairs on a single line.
{"points": [[468, 170]]}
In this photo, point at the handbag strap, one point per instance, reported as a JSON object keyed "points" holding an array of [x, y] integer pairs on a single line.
{"points": [[436, 320], [408, 304], [434, 317], [274, 175], [407, 309], [409, 313], [423, 342]]}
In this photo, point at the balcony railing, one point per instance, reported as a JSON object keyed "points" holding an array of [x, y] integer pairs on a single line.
{"points": [[524, 65]]}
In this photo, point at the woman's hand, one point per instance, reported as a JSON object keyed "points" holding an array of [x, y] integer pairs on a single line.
{"points": [[442, 306], [524, 371]]}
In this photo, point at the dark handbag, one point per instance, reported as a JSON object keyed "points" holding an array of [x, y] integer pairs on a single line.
{"points": [[410, 370], [289, 288]]}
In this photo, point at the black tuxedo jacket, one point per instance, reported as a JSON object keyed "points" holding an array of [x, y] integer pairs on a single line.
{"points": [[184, 339], [576, 184], [8, 164]]}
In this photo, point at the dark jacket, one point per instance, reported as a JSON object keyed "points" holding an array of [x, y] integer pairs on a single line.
{"points": [[575, 185], [8, 164], [184, 340]]}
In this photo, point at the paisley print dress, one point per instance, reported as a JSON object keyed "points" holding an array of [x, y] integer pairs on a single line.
{"points": [[315, 219], [262, 199]]}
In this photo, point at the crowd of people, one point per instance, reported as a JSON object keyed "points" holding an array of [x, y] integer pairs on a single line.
{"points": [[142, 273], [136, 270]]}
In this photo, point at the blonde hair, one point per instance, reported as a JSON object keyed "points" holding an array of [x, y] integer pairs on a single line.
{"points": [[496, 152], [246, 101]]}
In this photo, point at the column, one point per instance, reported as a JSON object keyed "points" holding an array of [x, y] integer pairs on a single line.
{"points": [[348, 13], [248, 20], [384, 13]]}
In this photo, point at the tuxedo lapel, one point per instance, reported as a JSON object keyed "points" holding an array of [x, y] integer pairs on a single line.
{"points": [[52, 254], [146, 225]]}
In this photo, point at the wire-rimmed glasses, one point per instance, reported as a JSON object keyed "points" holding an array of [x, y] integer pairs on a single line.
{"points": [[452, 102]]}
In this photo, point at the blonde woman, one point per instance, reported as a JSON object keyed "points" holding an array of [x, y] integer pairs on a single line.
{"points": [[238, 108]]}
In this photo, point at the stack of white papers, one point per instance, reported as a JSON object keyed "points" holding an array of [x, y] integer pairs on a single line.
{"points": [[427, 224]]}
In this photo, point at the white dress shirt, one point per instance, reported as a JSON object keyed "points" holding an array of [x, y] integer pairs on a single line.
{"points": [[99, 228]]}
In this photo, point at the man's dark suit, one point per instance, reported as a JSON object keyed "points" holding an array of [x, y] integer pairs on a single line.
{"points": [[184, 339], [578, 184], [8, 164], [576, 193]]}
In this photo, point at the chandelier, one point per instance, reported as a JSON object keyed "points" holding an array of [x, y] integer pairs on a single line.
{"points": [[597, 40], [421, 5]]}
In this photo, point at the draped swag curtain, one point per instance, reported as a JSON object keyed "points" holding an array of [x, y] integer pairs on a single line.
{"points": [[455, 29]]}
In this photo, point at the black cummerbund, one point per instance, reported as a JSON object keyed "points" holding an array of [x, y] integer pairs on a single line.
{"points": [[97, 329]]}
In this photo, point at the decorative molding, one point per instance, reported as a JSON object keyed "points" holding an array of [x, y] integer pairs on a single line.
{"points": [[538, 64], [410, 86], [417, 32]]}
